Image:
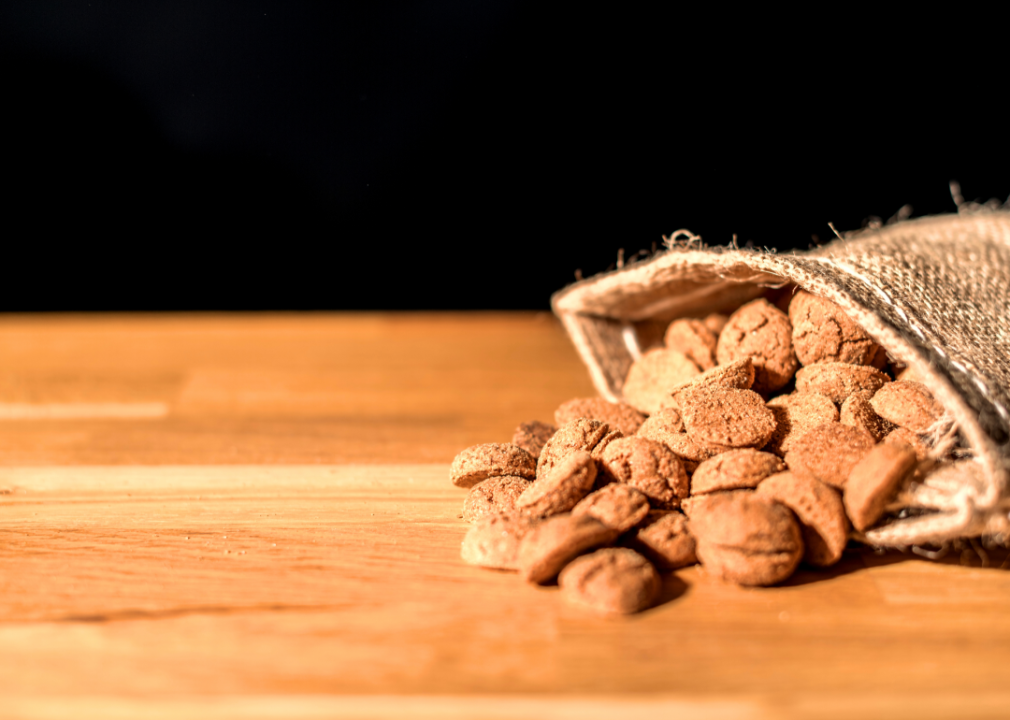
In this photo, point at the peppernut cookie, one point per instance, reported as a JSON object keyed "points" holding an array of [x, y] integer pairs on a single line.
{"points": [[907, 404], [559, 490], [715, 322], [733, 470], [859, 413], [617, 505], [582, 434], [694, 339], [493, 541], [479, 462], [822, 332], [796, 414], [875, 480], [829, 452], [745, 538], [820, 512], [839, 380], [493, 496], [737, 375], [648, 466], [665, 421], [532, 436], [727, 417], [558, 540], [611, 581], [653, 375], [601, 447], [690, 452], [762, 332], [619, 416], [665, 538]]}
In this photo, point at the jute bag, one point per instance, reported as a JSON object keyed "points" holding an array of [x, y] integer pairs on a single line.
{"points": [[934, 292]]}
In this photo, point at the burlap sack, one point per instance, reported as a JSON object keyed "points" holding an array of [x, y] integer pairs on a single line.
{"points": [[932, 291]]}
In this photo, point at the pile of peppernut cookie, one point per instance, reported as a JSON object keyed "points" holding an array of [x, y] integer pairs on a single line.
{"points": [[747, 443]]}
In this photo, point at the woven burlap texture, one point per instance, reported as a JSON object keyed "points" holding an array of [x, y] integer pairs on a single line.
{"points": [[932, 291]]}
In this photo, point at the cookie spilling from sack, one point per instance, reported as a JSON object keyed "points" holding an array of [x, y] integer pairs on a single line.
{"points": [[750, 444]]}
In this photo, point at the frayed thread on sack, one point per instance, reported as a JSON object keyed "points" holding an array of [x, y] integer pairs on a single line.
{"points": [[974, 207]]}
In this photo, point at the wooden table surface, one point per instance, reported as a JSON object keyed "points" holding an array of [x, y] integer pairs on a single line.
{"points": [[249, 517]]}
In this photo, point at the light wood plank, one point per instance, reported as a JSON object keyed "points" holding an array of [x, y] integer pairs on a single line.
{"points": [[83, 411], [987, 706], [360, 387]]}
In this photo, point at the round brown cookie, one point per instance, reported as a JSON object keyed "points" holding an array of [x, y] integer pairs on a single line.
{"points": [[727, 417], [829, 452], [665, 421], [532, 436], [839, 380], [493, 541], [558, 540], [582, 434], [648, 466], [612, 581], [665, 538], [651, 378], [618, 416], [762, 332], [716, 322], [904, 436], [602, 445], [875, 480], [480, 462], [616, 505], [745, 538], [694, 339], [907, 404], [493, 496], [795, 414], [689, 452], [570, 480], [857, 412], [820, 512], [822, 332], [688, 504], [737, 375], [734, 469]]}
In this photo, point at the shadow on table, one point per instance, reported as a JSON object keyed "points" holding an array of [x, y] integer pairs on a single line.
{"points": [[963, 553], [805, 574], [673, 589]]}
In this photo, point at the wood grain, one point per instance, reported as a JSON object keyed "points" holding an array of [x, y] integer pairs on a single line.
{"points": [[361, 388], [309, 573]]}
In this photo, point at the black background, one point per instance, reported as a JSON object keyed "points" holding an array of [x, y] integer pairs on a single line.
{"points": [[292, 155]]}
